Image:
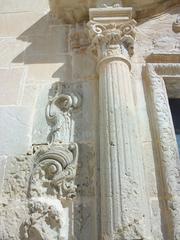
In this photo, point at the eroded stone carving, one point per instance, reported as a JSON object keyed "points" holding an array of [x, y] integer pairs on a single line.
{"points": [[58, 115], [112, 39], [54, 171], [46, 220], [51, 181], [176, 25]]}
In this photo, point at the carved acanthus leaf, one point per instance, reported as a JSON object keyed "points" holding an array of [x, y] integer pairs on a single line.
{"points": [[104, 36]]}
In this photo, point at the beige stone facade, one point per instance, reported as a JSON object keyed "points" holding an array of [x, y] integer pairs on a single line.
{"points": [[88, 146]]}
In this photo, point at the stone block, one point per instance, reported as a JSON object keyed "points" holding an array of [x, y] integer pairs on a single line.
{"points": [[45, 48], [85, 222], [10, 48], [40, 126], [49, 72], [86, 171], [15, 132], [30, 95], [11, 81], [85, 120], [16, 24], [23, 6], [83, 67]]}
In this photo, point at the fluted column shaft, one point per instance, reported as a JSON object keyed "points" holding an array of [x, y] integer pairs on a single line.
{"points": [[124, 208], [121, 183]]}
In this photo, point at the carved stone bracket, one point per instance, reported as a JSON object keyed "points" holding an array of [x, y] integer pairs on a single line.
{"points": [[54, 171], [51, 181], [176, 25]]}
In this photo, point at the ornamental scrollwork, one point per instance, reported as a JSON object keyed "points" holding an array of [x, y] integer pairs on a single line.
{"points": [[119, 38], [51, 181], [54, 171]]}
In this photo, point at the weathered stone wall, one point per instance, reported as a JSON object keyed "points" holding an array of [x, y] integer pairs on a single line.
{"points": [[36, 55]]}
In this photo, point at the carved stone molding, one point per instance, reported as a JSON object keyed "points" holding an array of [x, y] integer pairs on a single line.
{"points": [[165, 143], [176, 25]]}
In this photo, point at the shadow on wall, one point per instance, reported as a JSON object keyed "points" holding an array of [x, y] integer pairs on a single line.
{"points": [[48, 44]]}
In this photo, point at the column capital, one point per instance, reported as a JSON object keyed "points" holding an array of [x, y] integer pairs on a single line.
{"points": [[112, 32]]}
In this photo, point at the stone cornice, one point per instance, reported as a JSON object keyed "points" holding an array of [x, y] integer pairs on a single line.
{"points": [[76, 11]]}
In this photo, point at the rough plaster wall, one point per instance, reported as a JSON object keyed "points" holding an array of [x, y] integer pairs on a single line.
{"points": [[35, 54]]}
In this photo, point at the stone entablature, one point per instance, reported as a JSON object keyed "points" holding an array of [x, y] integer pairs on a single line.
{"points": [[74, 11]]}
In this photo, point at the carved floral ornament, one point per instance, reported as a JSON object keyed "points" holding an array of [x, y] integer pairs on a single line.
{"points": [[119, 37]]}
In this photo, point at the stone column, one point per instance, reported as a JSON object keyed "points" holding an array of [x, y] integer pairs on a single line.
{"points": [[124, 207]]}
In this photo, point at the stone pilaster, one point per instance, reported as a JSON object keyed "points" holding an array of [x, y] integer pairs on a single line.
{"points": [[124, 207]]}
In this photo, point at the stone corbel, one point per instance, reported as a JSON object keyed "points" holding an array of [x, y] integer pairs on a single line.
{"points": [[54, 170], [51, 181]]}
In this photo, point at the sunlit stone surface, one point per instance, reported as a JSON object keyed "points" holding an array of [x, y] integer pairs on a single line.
{"points": [[88, 146]]}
